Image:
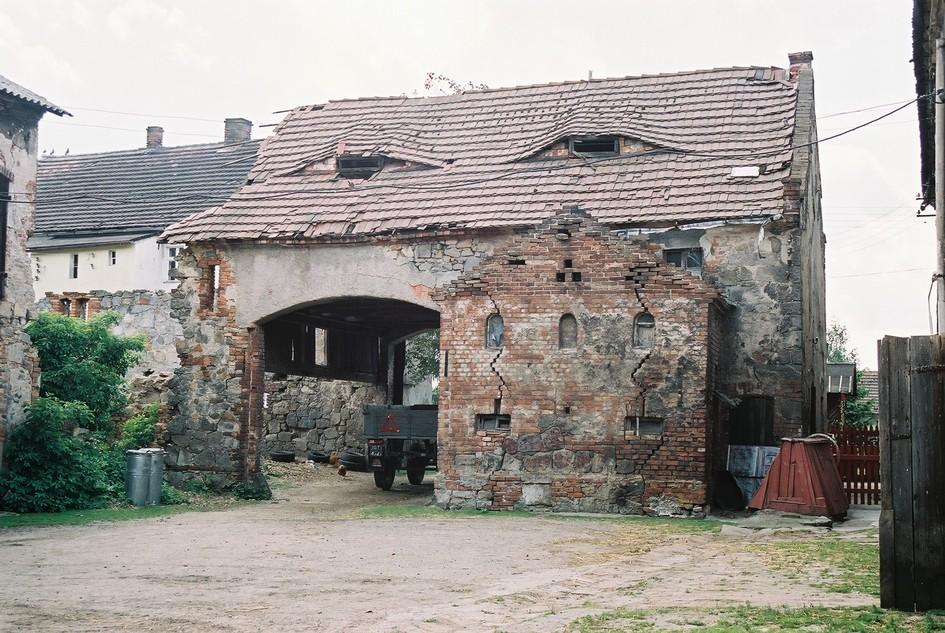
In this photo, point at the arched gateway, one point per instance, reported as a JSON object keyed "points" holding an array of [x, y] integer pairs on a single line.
{"points": [[589, 357]]}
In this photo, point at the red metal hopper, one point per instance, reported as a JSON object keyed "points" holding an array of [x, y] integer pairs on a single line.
{"points": [[803, 479]]}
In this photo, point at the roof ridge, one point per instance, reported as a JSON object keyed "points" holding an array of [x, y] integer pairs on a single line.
{"points": [[550, 84], [150, 150]]}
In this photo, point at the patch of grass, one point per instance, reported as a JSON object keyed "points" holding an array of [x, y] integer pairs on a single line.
{"points": [[749, 619], [188, 503], [83, 517], [843, 566], [425, 511]]}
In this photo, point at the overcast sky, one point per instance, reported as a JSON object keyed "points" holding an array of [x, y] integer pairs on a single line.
{"points": [[188, 65]]}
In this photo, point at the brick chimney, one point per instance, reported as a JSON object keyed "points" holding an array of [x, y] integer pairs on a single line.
{"points": [[798, 61], [155, 136], [237, 130]]}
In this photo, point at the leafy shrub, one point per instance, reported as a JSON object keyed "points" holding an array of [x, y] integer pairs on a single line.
{"points": [[83, 361], [257, 489], [49, 470], [171, 496], [138, 432]]}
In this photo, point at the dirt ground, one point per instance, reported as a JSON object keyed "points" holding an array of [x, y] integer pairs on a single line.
{"points": [[309, 561]]}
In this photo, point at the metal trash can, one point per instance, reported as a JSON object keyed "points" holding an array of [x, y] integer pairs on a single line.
{"points": [[157, 475], [138, 476]]}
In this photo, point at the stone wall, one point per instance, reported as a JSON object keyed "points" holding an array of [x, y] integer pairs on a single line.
{"points": [[143, 312], [19, 364], [303, 413], [567, 445]]}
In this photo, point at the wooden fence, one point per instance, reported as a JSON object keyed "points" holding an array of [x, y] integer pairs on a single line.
{"points": [[912, 468], [858, 463]]}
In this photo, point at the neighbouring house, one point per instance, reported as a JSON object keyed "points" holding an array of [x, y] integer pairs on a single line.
{"points": [[841, 386], [869, 380], [20, 112], [627, 275], [98, 219]]}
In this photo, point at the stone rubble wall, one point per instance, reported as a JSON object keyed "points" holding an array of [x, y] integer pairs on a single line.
{"points": [[144, 313], [19, 363], [303, 413]]}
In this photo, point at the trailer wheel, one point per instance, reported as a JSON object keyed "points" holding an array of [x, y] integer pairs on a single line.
{"points": [[415, 471], [384, 479]]}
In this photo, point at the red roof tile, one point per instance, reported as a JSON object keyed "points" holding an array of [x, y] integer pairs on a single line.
{"points": [[479, 162]]}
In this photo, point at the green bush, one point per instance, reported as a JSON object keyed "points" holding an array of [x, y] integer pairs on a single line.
{"points": [[49, 470], [138, 432], [83, 361], [171, 496]]}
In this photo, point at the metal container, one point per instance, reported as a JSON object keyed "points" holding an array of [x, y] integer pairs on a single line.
{"points": [[138, 476], [157, 475]]}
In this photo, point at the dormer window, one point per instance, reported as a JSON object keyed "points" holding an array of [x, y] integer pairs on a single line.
{"points": [[595, 146], [354, 166]]}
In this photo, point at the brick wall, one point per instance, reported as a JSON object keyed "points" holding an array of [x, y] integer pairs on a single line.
{"points": [[567, 448]]}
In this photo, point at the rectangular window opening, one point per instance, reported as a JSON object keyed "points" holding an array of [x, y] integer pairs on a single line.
{"points": [[66, 306], [689, 259], [576, 276], [516, 262], [569, 263], [74, 266], [4, 199], [83, 309], [642, 426], [214, 291], [501, 422], [559, 276], [112, 258], [349, 166], [321, 347], [171, 261], [594, 146]]}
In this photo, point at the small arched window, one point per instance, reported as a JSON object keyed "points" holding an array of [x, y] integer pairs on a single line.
{"points": [[495, 331], [567, 332], [644, 330]]}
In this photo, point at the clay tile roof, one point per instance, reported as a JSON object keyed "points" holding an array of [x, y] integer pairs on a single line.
{"points": [[475, 160], [14, 89], [148, 188], [869, 379]]}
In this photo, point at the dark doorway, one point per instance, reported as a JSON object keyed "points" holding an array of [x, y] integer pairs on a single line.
{"points": [[752, 422]]}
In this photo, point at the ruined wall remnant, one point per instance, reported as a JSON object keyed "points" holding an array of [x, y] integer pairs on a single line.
{"points": [[19, 363], [303, 413], [605, 426]]}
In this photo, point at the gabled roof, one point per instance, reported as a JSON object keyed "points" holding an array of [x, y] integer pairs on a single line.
{"points": [[14, 89], [137, 189], [869, 380], [478, 161]]}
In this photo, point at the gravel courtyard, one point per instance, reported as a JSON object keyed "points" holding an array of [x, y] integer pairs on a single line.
{"points": [[318, 558]]}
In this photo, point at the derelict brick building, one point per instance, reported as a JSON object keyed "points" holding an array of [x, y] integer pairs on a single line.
{"points": [[653, 246]]}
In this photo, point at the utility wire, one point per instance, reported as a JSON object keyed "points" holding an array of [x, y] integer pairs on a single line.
{"points": [[126, 129], [140, 114], [878, 272]]}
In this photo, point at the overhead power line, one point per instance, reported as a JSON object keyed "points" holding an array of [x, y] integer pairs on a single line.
{"points": [[128, 129], [878, 272], [141, 114]]}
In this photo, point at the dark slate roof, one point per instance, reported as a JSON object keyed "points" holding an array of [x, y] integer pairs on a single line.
{"points": [[137, 189], [476, 160], [53, 242], [16, 90]]}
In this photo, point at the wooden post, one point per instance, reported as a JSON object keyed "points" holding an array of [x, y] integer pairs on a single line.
{"points": [[912, 463]]}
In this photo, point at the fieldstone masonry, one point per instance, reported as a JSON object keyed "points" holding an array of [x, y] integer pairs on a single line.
{"points": [[303, 413], [19, 364]]}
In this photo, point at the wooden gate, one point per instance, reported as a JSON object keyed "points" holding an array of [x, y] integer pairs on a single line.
{"points": [[912, 443], [858, 463]]}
